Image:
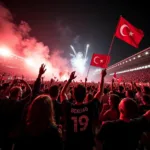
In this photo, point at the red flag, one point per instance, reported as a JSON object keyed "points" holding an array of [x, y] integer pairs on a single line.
{"points": [[128, 33], [99, 60]]}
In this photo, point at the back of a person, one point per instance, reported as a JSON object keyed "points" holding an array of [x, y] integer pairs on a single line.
{"points": [[10, 113], [58, 111], [50, 139], [39, 130], [121, 136], [105, 98], [124, 133], [111, 114], [79, 127]]}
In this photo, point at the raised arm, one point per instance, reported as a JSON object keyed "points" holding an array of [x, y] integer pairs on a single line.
{"points": [[85, 82], [101, 85], [37, 84], [63, 95]]}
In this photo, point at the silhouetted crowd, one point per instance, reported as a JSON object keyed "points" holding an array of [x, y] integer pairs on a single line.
{"points": [[69, 115]]}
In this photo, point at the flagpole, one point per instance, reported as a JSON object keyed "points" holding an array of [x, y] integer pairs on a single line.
{"points": [[112, 41], [88, 71]]}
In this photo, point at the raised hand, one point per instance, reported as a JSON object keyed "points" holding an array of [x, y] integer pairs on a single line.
{"points": [[72, 76], [103, 73], [85, 79], [42, 70], [52, 80]]}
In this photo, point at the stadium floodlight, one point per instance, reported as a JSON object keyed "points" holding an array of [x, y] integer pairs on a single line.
{"points": [[139, 56], [146, 53]]}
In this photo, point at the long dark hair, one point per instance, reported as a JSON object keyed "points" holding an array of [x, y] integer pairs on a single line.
{"points": [[40, 115]]}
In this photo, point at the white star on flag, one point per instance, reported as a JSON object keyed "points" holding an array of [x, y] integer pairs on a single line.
{"points": [[131, 33], [101, 61]]}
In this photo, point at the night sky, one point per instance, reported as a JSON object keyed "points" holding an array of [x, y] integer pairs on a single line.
{"points": [[61, 23]]}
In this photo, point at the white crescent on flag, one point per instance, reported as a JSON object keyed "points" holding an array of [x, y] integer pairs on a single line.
{"points": [[122, 28], [95, 58]]}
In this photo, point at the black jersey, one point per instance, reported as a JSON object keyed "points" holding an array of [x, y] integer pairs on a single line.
{"points": [[78, 122]]}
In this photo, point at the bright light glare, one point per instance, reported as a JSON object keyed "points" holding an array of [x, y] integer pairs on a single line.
{"points": [[5, 51], [64, 77], [146, 53], [29, 61]]}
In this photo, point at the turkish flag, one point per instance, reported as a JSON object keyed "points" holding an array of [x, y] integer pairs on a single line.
{"points": [[128, 33], [99, 60]]}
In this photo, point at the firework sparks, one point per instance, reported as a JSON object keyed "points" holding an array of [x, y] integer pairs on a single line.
{"points": [[79, 60]]}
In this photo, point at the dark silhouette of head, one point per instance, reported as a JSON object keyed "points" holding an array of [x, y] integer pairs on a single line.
{"points": [[80, 93], [128, 108], [54, 91]]}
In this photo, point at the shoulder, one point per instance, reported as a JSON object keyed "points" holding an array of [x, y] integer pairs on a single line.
{"points": [[105, 130], [95, 101]]}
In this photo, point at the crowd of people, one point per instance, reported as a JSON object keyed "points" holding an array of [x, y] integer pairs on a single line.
{"points": [[138, 76], [74, 115]]}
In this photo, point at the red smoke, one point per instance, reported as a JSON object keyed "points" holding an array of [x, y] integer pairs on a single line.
{"points": [[33, 52]]}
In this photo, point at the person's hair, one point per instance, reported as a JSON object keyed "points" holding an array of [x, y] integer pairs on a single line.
{"points": [[5, 86], [130, 93], [121, 88], [115, 100], [146, 99], [88, 88], [79, 93], [53, 91], [138, 89], [105, 90], [46, 91], [14, 92], [40, 114], [146, 89], [128, 108]]}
